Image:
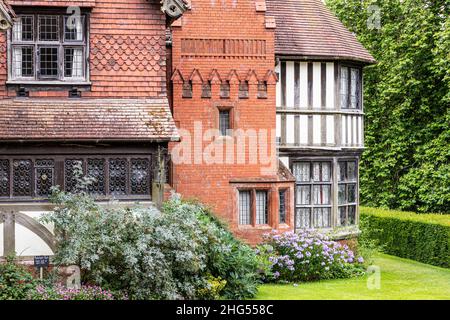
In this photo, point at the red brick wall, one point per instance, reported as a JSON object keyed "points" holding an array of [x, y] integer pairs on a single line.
{"points": [[3, 68], [127, 49], [80, 3], [225, 36]]}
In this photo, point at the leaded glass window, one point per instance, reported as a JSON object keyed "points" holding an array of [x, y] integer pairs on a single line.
{"points": [[73, 168], [118, 176], [262, 213], [348, 192], [253, 207], [245, 212], [44, 177], [313, 200], [22, 178], [350, 88], [48, 47], [282, 206], [107, 176], [96, 170], [140, 176], [4, 177]]}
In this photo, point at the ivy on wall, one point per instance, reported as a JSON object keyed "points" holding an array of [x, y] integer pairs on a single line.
{"points": [[407, 97]]}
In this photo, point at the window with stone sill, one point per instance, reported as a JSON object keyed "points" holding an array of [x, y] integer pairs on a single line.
{"points": [[253, 207], [114, 176], [48, 47]]}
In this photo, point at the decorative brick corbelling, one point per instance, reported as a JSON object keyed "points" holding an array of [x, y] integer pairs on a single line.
{"points": [[271, 77], [252, 77], [177, 77], [196, 77], [233, 77], [214, 77]]}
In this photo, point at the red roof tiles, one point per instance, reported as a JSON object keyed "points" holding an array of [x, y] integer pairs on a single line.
{"points": [[307, 28], [96, 119]]}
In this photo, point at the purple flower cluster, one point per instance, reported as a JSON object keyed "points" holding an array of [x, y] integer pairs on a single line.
{"points": [[307, 256], [59, 292]]}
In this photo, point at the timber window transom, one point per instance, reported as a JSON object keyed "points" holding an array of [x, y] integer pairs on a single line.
{"points": [[113, 176], [314, 184], [48, 47]]}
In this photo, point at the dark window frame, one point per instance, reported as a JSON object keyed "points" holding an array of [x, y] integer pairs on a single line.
{"points": [[60, 178], [62, 43]]}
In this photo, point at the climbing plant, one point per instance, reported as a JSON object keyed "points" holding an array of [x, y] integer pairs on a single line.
{"points": [[407, 97]]}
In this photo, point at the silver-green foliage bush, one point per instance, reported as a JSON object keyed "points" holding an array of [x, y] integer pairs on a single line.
{"points": [[147, 254]]}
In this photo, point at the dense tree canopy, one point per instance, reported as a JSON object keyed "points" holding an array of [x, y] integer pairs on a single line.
{"points": [[407, 97]]}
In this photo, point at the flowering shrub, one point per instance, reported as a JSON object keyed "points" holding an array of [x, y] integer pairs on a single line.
{"points": [[149, 254], [308, 256], [61, 293]]}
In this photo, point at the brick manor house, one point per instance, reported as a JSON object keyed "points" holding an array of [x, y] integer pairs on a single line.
{"points": [[254, 107]]}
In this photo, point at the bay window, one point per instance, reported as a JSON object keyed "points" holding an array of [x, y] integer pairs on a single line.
{"points": [[48, 47], [314, 184], [326, 193]]}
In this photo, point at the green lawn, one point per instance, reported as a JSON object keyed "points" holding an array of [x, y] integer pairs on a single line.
{"points": [[401, 279]]}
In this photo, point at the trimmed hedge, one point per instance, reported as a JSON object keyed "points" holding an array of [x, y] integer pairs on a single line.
{"points": [[420, 237]]}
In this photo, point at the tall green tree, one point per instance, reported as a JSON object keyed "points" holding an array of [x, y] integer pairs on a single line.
{"points": [[407, 98]]}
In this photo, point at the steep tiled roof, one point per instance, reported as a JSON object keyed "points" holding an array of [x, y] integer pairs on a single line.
{"points": [[39, 119], [308, 28]]}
